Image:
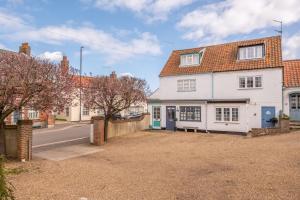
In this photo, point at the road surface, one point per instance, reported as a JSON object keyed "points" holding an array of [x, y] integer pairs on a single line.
{"points": [[61, 135]]}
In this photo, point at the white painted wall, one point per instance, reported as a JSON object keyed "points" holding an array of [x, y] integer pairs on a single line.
{"points": [[225, 85]]}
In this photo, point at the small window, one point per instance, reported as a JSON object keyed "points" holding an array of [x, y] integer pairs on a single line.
{"points": [[85, 111], [226, 114], [242, 82], [190, 113], [33, 114], [249, 82], [156, 113], [187, 85], [251, 52], [235, 114], [190, 59], [294, 101], [218, 114]]}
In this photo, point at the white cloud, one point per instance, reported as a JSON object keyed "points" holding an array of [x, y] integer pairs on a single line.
{"points": [[126, 74], [153, 10], [92, 39], [291, 47], [55, 56], [220, 20]]}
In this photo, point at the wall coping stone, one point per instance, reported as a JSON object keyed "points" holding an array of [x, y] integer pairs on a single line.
{"points": [[25, 122]]}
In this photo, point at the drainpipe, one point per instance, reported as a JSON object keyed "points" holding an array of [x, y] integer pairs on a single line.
{"points": [[282, 93], [206, 117], [212, 85]]}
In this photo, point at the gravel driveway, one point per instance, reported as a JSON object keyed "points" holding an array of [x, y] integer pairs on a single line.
{"points": [[160, 165]]}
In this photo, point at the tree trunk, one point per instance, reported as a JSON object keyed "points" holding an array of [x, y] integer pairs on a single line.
{"points": [[106, 120], [2, 139]]}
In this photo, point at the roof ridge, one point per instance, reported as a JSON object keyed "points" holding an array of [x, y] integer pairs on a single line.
{"points": [[228, 43], [291, 60]]}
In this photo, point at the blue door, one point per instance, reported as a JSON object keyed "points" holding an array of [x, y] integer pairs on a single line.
{"points": [[267, 113], [170, 118], [295, 107]]}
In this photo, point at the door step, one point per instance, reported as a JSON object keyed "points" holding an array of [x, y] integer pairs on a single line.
{"points": [[294, 125]]}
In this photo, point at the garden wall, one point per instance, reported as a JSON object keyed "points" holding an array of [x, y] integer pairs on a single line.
{"points": [[18, 140], [284, 127], [117, 127]]}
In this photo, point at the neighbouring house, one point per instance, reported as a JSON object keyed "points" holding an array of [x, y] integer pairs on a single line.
{"points": [[39, 118], [232, 87], [75, 112]]}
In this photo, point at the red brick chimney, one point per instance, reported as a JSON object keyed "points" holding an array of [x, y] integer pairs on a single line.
{"points": [[25, 48], [65, 64], [113, 75]]}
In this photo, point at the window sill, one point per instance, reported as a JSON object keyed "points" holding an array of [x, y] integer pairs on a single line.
{"points": [[224, 122], [194, 65], [254, 88], [186, 91]]}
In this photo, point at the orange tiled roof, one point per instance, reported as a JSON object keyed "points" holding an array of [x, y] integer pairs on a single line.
{"points": [[291, 73], [223, 57]]}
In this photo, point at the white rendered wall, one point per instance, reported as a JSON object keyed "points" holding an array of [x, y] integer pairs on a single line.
{"points": [[225, 85]]}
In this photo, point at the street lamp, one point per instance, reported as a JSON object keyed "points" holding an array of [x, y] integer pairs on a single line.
{"points": [[80, 83]]}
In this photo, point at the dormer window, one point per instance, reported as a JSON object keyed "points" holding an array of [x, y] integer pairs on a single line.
{"points": [[251, 52], [191, 59]]}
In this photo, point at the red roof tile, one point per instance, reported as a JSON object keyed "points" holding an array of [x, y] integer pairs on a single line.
{"points": [[223, 57], [291, 73]]}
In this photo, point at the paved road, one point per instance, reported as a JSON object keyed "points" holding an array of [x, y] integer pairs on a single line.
{"points": [[61, 135]]}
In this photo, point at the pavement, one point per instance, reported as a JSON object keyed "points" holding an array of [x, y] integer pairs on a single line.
{"points": [[64, 141]]}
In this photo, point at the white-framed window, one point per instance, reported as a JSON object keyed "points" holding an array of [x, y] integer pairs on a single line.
{"points": [[227, 114], [190, 59], [250, 82], [33, 114], [187, 85], [156, 113], [85, 111], [251, 52], [190, 113]]}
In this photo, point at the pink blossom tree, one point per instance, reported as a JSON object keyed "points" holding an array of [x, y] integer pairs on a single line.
{"points": [[28, 82], [111, 94]]}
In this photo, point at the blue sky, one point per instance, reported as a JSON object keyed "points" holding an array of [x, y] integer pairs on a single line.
{"points": [[137, 36]]}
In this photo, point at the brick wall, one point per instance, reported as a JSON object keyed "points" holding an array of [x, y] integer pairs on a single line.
{"points": [[24, 140], [284, 127]]}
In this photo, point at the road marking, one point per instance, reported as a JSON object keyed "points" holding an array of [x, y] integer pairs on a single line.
{"points": [[57, 130], [60, 142]]}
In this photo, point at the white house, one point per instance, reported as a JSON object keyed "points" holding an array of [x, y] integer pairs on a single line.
{"points": [[227, 87]]}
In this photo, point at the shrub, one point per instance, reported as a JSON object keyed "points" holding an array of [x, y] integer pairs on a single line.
{"points": [[6, 188], [284, 116]]}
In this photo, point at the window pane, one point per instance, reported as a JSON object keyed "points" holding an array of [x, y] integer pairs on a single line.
{"points": [[235, 114], [193, 85], [186, 85], [258, 82], [259, 51], [218, 114], [196, 59], [298, 101], [226, 114], [180, 85], [242, 82], [249, 82], [293, 101]]}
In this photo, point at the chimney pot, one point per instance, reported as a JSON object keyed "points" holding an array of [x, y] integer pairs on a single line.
{"points": [[25, 48]]}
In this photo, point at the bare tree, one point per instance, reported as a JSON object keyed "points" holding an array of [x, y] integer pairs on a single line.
{"points": [[112, 95], [32, 83]]}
